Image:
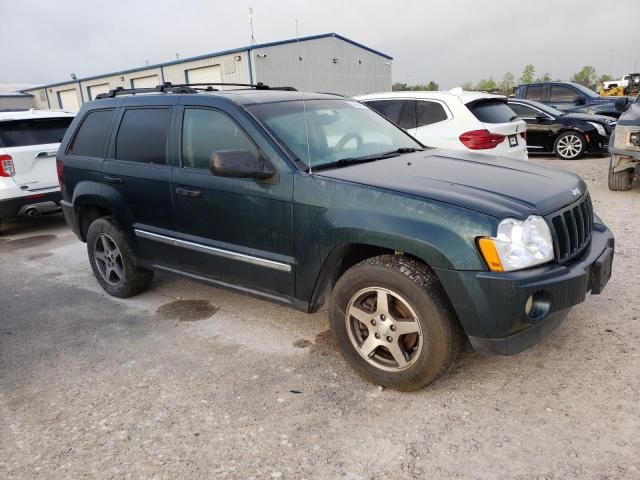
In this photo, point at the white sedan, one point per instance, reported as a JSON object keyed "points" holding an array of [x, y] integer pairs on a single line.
{"points": [[455, 119]]}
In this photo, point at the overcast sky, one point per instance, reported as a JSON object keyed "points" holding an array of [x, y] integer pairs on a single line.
{"points": [[448, 41]]}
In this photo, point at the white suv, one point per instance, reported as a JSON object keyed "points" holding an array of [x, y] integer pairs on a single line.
{"points": [[29, 142], [455, 119]]}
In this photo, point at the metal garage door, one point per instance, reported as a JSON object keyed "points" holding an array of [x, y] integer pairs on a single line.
{"points": [[68, 100], [210, 74], [96, 90], [150, 81]]}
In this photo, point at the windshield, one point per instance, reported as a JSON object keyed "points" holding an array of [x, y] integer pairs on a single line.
{"points": [[587, 91], [337, 130]]}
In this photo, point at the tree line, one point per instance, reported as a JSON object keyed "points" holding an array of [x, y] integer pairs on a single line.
{"points": [[587, 76]]}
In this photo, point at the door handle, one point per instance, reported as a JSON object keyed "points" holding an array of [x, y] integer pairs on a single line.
{"points": [[185, 192], [50, 153], [114, 180]]}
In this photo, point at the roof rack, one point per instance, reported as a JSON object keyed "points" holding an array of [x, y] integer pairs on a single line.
{"points": [[168, 87]]}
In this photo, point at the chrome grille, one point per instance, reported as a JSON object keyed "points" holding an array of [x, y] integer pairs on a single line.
{"points": [[571, 228]]}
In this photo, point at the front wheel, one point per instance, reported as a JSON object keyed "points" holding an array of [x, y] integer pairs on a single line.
{"points": [[113, 261], [622, 180], [393, 322], [570, 146]]}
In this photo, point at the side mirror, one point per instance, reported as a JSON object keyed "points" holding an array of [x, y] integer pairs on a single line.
{"points": [[580, 100], [541, 117], [240, 164], [621, 104]]}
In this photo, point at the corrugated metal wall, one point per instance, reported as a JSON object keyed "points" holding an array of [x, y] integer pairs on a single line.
{"points": [[310, 66], [17, 102], [234, 68]]}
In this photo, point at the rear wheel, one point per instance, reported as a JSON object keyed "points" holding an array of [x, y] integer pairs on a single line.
{"points": [[113, 261], [622, 180], [394, 323], [570, 146]]}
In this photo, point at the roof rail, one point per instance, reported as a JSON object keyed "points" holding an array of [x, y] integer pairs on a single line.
{"points": [[168, 87]]}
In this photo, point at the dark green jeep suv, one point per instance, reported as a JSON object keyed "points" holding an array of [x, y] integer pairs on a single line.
{"points": [[306, 199]]}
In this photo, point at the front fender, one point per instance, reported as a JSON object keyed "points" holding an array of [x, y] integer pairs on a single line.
{"points": [[439, 234]]}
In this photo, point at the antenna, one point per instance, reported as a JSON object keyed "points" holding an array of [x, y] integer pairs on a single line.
{"points": [[253, 38], [304, 105]]}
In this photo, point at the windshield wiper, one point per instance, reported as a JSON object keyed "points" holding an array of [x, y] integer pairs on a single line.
{"points": [[344, 162]]}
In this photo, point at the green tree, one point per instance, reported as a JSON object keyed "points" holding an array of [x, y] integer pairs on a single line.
{"points": [[605, 78], [544, 78], [398, 86], [432, 86], [467, 86], [486, 85], [586, 76], [507, 83], [528, 74]]}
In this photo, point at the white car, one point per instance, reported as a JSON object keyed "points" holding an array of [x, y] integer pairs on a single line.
{"points": [[456, 119], [29, 142]]}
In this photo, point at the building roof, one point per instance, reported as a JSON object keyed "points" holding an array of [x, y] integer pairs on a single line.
{"points": [[15, 94], [215, 54]]}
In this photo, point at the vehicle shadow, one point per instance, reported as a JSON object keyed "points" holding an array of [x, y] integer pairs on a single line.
{"points": [[29, 225]]}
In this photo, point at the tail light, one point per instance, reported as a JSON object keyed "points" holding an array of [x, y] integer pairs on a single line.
{"points": [[6, 166], [481, 139], [60, 170]]}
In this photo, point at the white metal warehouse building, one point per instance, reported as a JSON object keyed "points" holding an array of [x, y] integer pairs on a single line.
{"points": [[319, 63]]}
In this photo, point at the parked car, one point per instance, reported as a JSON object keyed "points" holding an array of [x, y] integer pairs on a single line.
{"points": [[29, 141], [568, 97], [469, 121], [303, 198], [625, 148], [567, 135]]}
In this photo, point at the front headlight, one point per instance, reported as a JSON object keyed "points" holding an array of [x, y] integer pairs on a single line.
{"points": [[518, 244], [599, 128]]}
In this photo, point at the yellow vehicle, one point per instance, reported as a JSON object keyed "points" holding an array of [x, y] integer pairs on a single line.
{"points": [[629, 85]]}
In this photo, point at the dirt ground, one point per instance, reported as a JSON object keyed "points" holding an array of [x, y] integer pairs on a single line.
{"points": [[188, 381]]}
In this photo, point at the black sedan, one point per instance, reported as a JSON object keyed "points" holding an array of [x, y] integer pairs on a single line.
{"points": [[568, 135]]}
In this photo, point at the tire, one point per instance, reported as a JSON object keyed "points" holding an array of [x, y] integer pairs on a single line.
{"points": [[570, 146], [411, 291], [622, 180], [113, 261]]}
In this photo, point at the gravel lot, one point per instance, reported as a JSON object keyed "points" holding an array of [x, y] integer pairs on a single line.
{"points": [[189, 382]]}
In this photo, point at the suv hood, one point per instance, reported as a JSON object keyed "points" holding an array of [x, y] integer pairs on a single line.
{"points": [[493, 185]]}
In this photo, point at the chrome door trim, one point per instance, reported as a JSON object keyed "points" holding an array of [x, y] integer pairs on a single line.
{"points": [[218, 252]]}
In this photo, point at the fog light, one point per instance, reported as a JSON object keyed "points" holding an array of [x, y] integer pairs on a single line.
{"points": [[529, 305], [537, 305]]}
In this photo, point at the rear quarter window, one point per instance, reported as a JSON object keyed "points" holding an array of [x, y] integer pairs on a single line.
{"points": [[89, 141], [492, 111], [35, 131]]}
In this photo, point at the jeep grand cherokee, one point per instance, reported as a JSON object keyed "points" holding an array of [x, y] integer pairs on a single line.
{"points": [[302, 198]]}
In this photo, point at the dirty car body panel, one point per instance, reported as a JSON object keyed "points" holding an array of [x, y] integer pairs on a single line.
{"points": [[288, 237]]}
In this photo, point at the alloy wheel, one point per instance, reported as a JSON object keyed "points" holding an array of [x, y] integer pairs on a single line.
{"points": [[108, 259], [384, 329], [569, 146]]}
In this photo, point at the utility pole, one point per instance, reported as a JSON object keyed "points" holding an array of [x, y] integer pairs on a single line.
{"points": [[253, 38]]}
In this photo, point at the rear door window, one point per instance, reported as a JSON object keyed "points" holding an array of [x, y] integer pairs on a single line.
{"points": [[142, 136], [400, 112], [35, 131], [428, 112], [534, 92], [492, 111], [89, 141], [560, 94], [523, 111]]}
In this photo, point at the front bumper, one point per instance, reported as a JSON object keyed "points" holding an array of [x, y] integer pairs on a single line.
{"points": [[23, 205], [491, 305]]}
